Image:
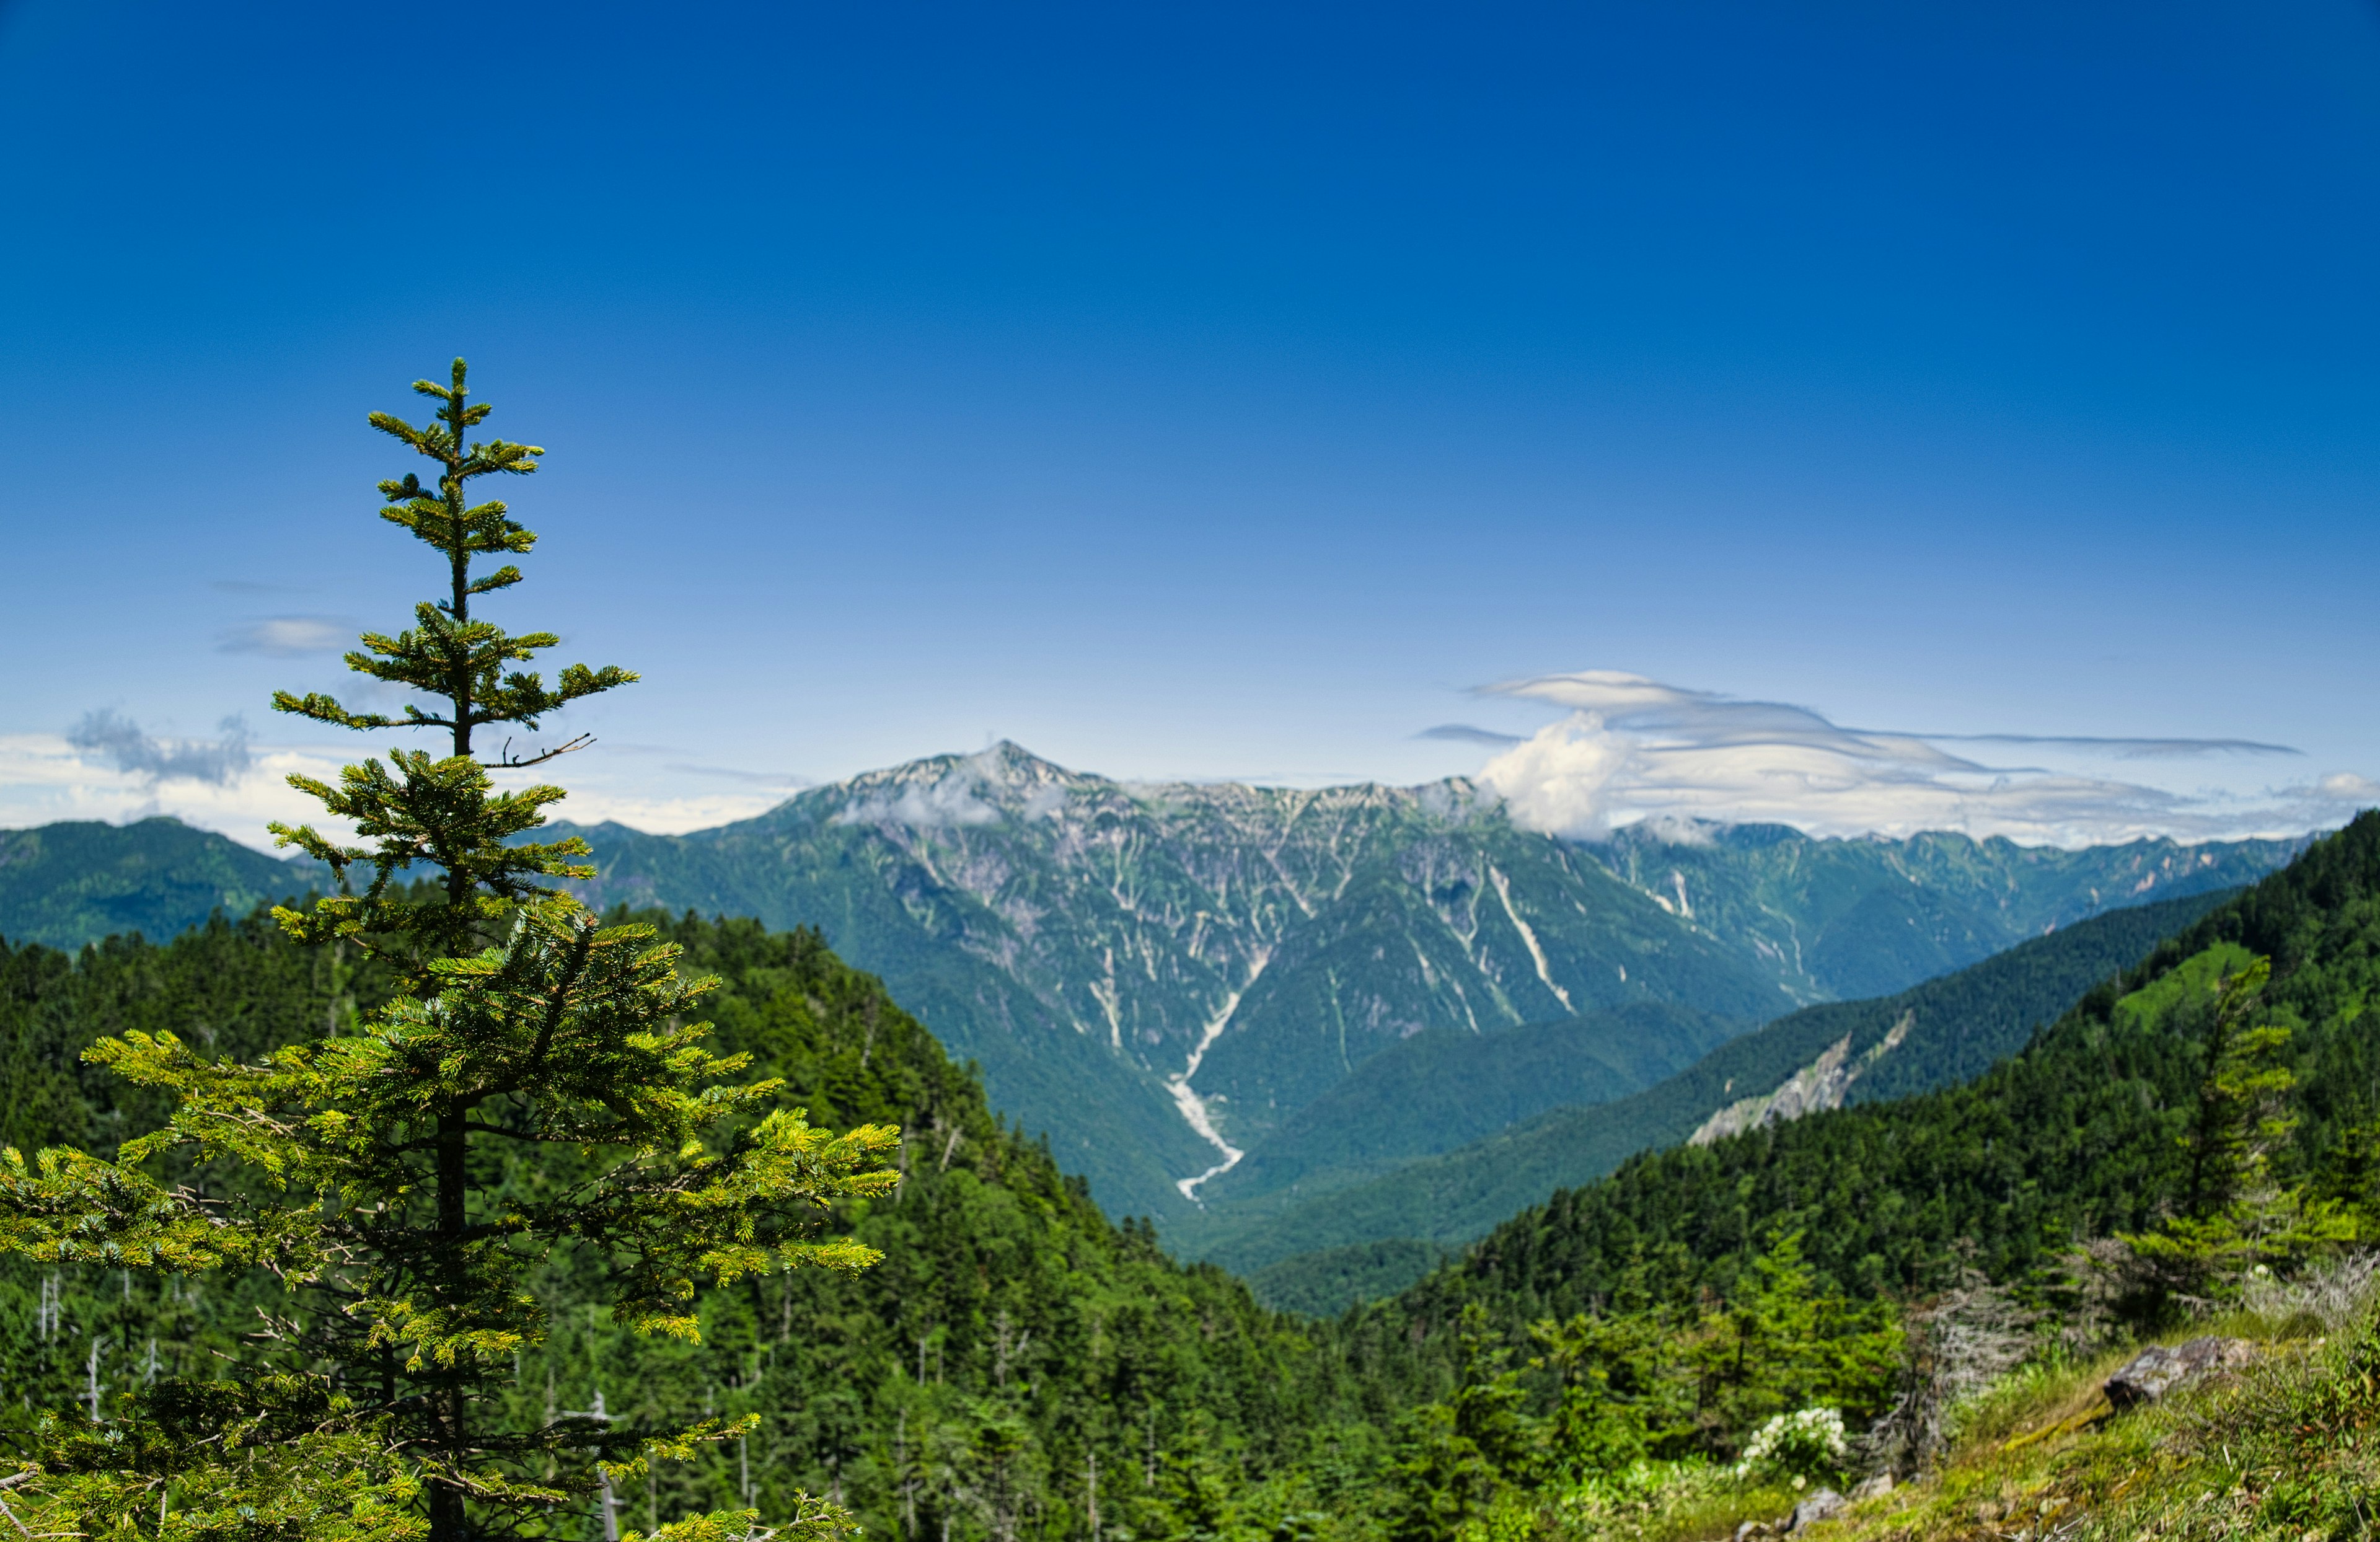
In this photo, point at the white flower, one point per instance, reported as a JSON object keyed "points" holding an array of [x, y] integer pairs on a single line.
{"points": [[1810, 1439]]}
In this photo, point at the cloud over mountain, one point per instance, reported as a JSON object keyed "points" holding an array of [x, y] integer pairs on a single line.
{"points": [[1631, 747]]}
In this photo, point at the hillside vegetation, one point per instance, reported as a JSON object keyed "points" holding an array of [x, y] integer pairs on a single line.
{"points": [[1010, 1338], [1603, 1364], [1951, 1028], [1931, 1290], [78, 881], [1445, 1088]]}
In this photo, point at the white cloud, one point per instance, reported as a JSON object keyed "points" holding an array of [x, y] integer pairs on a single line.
{"points": [[942, 805], [1633, 749], [44, 777], [2346, 787], [660, 813], [289, 637], [123, 774]]}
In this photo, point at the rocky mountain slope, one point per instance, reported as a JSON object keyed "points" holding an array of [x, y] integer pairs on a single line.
{"points": [[1161, 976]]}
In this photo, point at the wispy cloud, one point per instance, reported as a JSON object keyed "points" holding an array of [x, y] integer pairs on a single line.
{"points": [[1462, 733], [1632, 747], [114, 777], [288, 636], [2124, 749], [121, 743], [995, 783], [788, 781]]}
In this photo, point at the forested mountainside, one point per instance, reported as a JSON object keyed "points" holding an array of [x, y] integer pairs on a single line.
{"points": [[1868, 917], [1932, 1035], [1927, 1294], [2081, 1135], [1445, 1088], [1010, 1338], [1162, 976], [76, 882]]}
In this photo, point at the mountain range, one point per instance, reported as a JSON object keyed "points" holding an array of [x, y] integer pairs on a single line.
{"points": [[1164, 977]]}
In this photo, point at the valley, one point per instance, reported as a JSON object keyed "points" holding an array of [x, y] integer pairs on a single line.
{"points": [[1248, 773]]}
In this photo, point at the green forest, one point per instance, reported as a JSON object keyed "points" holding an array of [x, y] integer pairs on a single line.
{"points": [[437, 1206], [1318, 1249], [1015, 1360], [1010, 1344]]}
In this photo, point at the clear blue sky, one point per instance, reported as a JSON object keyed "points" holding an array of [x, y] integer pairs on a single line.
{"points": [[1214, 391]]}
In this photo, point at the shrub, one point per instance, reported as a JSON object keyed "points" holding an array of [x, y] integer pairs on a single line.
{"points": [[1809, 1444]]}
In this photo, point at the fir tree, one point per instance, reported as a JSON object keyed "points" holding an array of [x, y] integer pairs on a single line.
{"points": [[536, 1086], [2239, 1218]]}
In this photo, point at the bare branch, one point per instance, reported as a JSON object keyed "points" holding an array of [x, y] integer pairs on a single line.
{"points": [[505, 761]]}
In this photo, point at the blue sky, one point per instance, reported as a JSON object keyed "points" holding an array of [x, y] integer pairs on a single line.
{"points": [[1224, 391]]}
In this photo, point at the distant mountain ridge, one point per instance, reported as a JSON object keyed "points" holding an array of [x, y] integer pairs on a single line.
{"points": [[76, 882], [1163, 976], [1137, 966]]}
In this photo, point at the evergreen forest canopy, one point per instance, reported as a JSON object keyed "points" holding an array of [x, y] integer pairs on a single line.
{"points": [[1009, 1343], [531, 1092]]}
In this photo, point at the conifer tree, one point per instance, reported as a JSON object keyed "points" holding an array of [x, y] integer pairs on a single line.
{"points": [[2238, 1217], [538, 1086]]}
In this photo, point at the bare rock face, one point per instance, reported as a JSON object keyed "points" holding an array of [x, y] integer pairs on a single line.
{"points": [[1817, 1507], [2158, 1369], [1870, 1488], [1819, 1085]]}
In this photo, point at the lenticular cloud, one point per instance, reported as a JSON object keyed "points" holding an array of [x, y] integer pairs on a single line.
{"points": [[1632, 748]]}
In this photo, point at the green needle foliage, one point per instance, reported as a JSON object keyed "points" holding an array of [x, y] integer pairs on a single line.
{"points": [[535, 1089], [2240, 1219]]}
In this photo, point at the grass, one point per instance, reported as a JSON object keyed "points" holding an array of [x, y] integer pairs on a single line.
{"points": [[2287, 1450]]}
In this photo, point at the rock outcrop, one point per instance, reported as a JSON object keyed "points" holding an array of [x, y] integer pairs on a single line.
{"points": [[2160, 1368], [1817, 1507], [1818, 1085]]}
